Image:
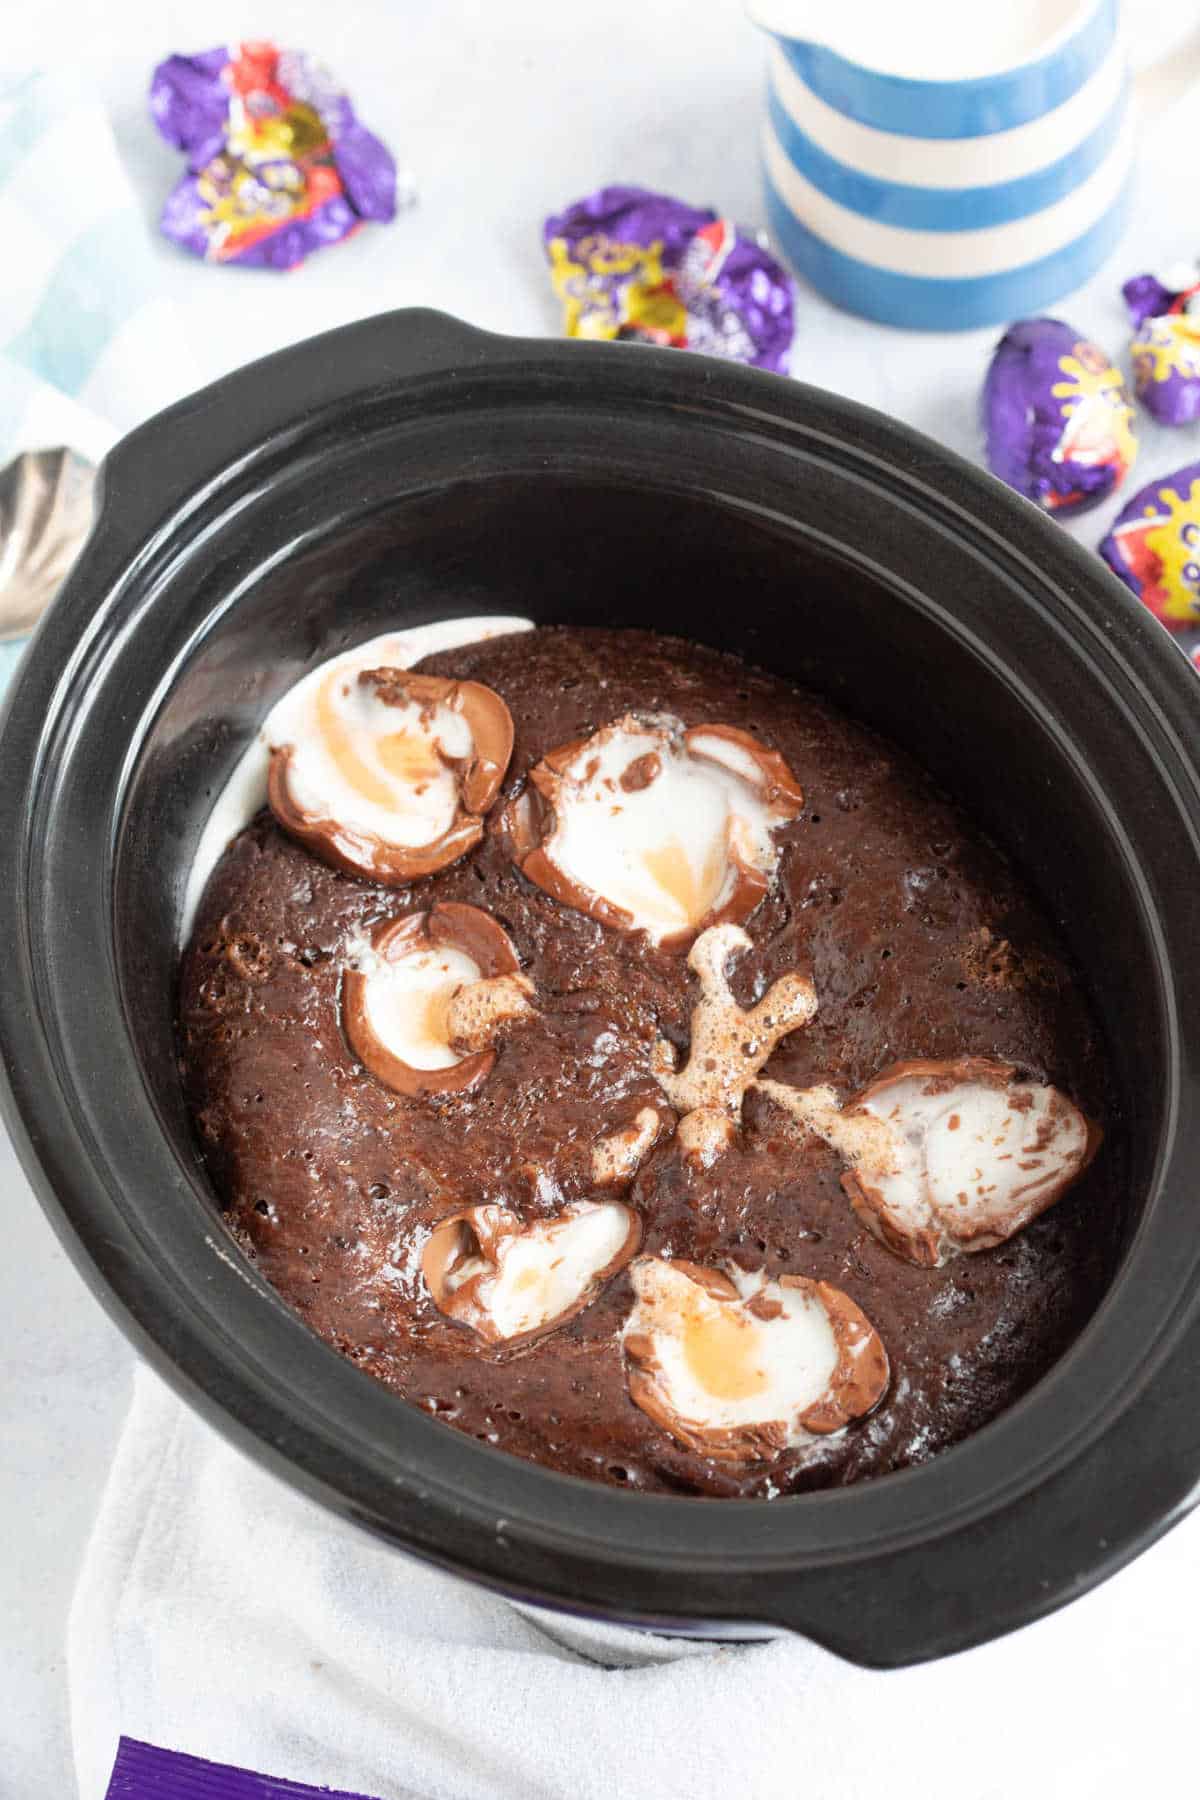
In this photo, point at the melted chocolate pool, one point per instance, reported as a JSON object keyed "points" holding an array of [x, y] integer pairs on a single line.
{"points": [[921, 941]]}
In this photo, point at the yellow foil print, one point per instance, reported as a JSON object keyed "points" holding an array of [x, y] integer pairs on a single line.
{"points": [[1099, 426], [593, 307]]}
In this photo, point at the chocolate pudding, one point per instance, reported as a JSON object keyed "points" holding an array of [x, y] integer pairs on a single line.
{"points": [[897, 933]]}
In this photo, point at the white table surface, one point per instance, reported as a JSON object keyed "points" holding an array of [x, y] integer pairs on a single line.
{"points": [[503, 111]]}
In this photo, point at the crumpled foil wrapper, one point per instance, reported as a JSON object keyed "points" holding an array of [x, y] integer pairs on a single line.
{"points": [[1057, 417], [278, 163], [1154, 546], [628, 263], [45, 514], [1165, 346]]}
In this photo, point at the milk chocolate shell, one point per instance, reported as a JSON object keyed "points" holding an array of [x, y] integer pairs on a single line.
{"points": [[427, 994], [395, 774]]}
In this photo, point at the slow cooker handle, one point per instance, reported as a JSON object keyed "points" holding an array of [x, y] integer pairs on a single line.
{"points": [[1008, 1566], [150, 473]]}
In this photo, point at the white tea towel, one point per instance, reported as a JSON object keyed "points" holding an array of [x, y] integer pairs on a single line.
{"points": [[221, 1614]]}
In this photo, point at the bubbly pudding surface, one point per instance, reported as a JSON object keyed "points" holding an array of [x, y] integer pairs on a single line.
{"points": [[494, 1250]]}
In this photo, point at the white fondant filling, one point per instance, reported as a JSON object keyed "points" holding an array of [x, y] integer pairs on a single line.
{"points": [[372, 767], [406, 1002], [545, 1270], [660, 852], [245, 792], [721, 1368], [967, 1154]]}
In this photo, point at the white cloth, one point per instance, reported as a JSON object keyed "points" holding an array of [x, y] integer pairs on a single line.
{"points": [[221, 1614]]}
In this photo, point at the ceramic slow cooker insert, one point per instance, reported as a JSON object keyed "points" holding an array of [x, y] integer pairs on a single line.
{"points": [[408, 469]]}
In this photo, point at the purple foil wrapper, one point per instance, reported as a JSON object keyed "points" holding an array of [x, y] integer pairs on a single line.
{"points": [[144, 1772], [1057, 417], [1166, 343], [278, 163], [628, 263], [1154, 546]]}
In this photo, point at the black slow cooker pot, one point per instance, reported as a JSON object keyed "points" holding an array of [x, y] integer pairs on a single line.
{"points": [[407, 469]]}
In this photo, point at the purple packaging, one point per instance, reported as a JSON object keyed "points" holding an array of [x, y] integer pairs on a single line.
{"points": [[1057, 417], [278, 164], [1166, 343], [145, 1772], [1154, 546], [632, 264]]}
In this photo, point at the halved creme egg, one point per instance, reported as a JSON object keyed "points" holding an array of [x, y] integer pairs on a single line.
{"points": [[649, 826], [947, 1157], [511, 1281], [425, 996], [388, 775], [741, 1367]]}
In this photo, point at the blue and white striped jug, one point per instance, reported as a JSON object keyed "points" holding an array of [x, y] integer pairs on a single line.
{"points": [[946, 163]]}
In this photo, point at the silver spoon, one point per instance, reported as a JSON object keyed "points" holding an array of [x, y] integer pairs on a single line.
{"points": [[45, 514]]}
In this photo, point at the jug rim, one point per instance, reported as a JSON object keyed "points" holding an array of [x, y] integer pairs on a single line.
{"points": [[771, 16], [940, 106]]}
